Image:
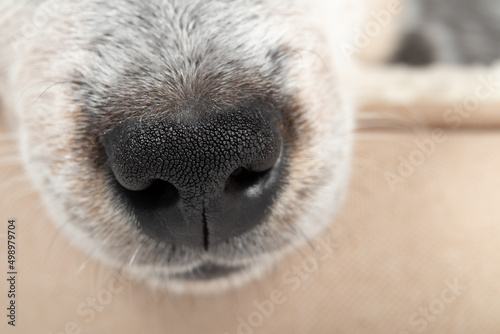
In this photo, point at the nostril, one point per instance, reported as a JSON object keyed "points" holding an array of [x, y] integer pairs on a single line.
{"points": [[243, 178], [158, 194], [246, 199], [158, 214]]}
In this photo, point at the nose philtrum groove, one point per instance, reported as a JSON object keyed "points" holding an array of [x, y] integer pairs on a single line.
{"points": [[205, 230]]}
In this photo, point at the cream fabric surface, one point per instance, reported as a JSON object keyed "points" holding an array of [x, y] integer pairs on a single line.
{"points": [[418, 255]]}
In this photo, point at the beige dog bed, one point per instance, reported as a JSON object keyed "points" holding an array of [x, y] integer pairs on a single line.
{"points": [[415, 249]]}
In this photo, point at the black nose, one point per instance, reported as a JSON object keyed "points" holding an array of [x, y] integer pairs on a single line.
{"points": [[198, 180]]}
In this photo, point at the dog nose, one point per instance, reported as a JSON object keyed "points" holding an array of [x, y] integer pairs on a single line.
{"points": [[198, 180]]}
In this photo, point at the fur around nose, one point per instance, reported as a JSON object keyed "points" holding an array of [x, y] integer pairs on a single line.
{"points": [[198, 180]]}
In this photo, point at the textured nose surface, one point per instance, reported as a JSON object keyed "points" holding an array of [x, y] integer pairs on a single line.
{"points": [[198, 181]]}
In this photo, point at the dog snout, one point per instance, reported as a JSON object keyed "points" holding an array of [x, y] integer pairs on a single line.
{"points": [[198, 180]]}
